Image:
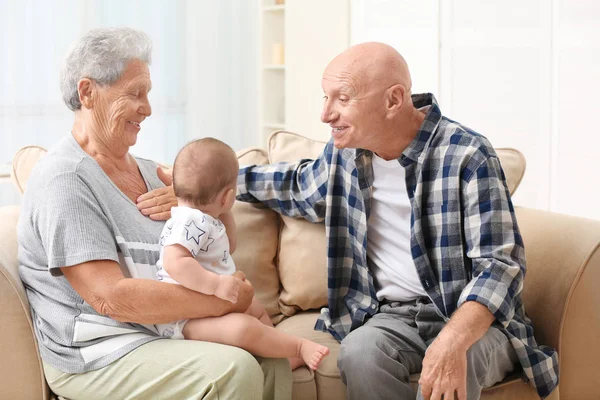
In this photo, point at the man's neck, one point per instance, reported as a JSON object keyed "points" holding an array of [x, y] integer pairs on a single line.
{"points": [[398, 140]]}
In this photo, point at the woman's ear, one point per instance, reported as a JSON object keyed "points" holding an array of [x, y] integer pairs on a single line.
{"points": [[86, 90]]}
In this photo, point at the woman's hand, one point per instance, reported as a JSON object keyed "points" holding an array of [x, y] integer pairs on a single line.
{"points": [[157, 203], [245, 296]]}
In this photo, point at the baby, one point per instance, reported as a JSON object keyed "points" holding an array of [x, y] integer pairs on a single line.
{"points": [[196, 247]]}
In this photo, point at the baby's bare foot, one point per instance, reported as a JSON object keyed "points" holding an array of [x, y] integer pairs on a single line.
{"points": [[313, 353]]}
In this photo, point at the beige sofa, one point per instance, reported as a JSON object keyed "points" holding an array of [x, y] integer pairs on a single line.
{"points": [[285, 260]]}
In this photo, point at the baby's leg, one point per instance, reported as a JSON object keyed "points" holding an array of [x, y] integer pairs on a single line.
{"points": [[257, 310], [248, 333]]}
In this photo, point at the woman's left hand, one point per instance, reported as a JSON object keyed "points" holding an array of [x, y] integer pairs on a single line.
{"points": [[157, 203]]}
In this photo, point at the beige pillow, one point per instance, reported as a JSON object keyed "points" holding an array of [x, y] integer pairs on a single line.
{"points": [[513, 164], [23, 163], [302, 248], [257, 242]]}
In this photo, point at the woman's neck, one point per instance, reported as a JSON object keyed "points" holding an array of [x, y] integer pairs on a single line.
{"points": [[93, 141], [113, 158]]}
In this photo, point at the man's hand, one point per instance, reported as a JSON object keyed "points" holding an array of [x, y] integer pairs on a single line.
{"points": [[444, 371], [157, 203], [445, 364], [229, 288]]}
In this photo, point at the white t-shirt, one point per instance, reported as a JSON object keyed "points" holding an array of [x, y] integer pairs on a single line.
{"points": [[203, 235], [388, 235]]}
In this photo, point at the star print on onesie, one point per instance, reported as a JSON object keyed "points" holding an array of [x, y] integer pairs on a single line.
{"points": [[203, 236], [192, 232], [165, 233]]}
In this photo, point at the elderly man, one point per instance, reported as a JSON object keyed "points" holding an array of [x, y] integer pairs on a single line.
{"points": [[426, 262]]}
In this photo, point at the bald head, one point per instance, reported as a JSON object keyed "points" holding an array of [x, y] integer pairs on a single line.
{"points": [[373, 64], [368, 100], [202, 169]]}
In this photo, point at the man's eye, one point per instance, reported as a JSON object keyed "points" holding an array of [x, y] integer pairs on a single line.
{"points": [[344, 99]]}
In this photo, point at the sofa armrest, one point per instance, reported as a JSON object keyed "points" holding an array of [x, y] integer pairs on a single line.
{"points": [[563, 268], [20, 365]]}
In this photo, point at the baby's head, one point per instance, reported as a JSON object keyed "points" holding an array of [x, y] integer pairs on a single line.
{"points": [[205, 174]]}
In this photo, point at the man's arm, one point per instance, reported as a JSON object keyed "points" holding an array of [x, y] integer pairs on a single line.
{"points": [[293, 189], [495, 248], [144, 301]]}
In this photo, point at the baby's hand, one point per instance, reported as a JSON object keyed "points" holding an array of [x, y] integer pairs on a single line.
{"points": [[229, 288]]}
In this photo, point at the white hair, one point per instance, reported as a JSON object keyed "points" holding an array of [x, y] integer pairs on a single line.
{"points": [[101, 55]]}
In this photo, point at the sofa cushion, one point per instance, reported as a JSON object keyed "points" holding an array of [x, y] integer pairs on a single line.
{"points": [[302, 248], [21, 370], [327, 377], [258, 238]]}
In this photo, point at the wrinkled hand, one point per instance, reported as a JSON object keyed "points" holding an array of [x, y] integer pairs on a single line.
{"points": [[157, 203], [245, 296], [444, 371], [229, 288]]}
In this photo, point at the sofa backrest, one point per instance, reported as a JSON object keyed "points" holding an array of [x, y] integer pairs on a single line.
{"points": [[23, 163]]}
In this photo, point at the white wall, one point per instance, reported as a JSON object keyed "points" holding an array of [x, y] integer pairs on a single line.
{"points": [[524, 73]]}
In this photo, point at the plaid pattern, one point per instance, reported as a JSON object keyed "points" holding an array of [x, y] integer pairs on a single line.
{"points": [[465, 240]]}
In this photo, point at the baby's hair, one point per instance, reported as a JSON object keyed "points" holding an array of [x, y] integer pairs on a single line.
{"points": [[202, 169]]}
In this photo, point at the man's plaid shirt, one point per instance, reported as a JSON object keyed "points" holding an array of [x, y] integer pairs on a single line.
{"points": [[465, 240]]}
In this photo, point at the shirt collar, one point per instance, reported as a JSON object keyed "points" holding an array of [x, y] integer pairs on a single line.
{"points": [[425, 132]]}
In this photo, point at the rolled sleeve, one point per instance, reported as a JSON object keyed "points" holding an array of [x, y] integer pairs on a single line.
{"points": [[71, 224], [494, 243]]}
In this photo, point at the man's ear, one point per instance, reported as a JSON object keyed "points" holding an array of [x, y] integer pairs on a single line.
{"points": [[395, 98], [87, 92]]}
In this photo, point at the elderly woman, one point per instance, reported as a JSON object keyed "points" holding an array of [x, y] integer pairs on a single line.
{"points": [[87, 254]]}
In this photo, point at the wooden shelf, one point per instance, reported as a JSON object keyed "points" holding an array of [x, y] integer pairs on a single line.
{"points": [[274, 125], [274, 67], [5, 169], [276, 8]]}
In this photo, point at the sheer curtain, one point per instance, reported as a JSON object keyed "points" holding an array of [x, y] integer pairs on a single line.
{"points": [[203, 71]]}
